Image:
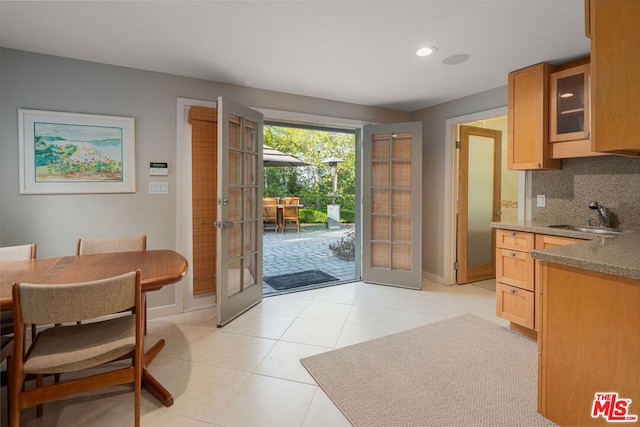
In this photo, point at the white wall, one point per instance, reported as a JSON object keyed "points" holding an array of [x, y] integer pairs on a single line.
{"points": [[55, 222]]}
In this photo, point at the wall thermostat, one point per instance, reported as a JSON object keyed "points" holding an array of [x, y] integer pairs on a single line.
{"points": [[158, 169]]}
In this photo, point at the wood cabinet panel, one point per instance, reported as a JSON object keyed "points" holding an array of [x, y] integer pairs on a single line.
{"points": [[590, 342], [515, 268], [515, 240], [528, 119], [615, 74], [515, 305]]}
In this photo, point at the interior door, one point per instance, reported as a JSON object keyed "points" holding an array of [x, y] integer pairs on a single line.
{"points": [[391, 204], [239, 223], [478, 202]]}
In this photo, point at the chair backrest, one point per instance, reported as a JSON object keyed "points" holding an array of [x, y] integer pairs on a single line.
{"points": [[44, 304], [290, 211], [18, 253], [270, 201], [117, 244], [269, 212], [291, 200]]}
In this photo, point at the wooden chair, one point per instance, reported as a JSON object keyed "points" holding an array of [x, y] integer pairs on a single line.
{"points": [[291, 200], [270, 217], [14, 253], [118, 244], [290, 215], [270, 201], [115, 244], [75, 348]]}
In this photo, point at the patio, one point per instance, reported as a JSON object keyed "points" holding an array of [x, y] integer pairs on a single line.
{"points": [[291, 253]]}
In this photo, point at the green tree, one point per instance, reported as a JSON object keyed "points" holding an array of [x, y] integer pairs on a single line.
{"points": [[311, 183]]}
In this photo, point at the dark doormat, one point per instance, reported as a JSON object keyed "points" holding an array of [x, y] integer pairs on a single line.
{"points": [[302, 278]]}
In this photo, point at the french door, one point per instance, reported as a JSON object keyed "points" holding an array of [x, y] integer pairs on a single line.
{"points": [[478, 202], [239, 220], [391, 204]]}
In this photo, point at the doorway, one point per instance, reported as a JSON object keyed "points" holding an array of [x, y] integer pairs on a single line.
{"points": [[314, 252]]}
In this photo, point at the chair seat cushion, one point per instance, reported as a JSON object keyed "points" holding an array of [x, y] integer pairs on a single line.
{"points": [[70, 348]]}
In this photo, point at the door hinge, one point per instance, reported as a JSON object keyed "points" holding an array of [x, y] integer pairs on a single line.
{"points": [[458, 144], [456, 266]]}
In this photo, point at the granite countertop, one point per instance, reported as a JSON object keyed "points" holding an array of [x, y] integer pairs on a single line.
{"points": [[617, 254]]}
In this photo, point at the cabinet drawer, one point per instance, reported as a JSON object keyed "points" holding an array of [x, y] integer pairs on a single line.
{"points": [[517, 240], [515, 304], [515, 268]]}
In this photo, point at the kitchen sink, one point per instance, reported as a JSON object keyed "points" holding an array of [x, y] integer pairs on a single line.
{"points": [[594, 230]]}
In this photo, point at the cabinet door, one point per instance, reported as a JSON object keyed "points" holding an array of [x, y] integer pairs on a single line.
{"points": [[528, 114], [515, 268], [515, 304], [569, 106], [615, 61]]}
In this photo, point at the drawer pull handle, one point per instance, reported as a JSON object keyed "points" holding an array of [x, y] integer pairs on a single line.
{"points": [[512, 234], [512, 254], [512, 291]]}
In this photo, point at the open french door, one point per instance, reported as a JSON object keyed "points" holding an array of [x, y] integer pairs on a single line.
{"points": [[239, 219], [391, 204]]}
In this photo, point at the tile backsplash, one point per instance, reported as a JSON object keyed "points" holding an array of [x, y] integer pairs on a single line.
{"points": [[612, 181]]}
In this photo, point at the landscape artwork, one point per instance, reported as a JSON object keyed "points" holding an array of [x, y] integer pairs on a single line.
{"points": [[66, 153]]}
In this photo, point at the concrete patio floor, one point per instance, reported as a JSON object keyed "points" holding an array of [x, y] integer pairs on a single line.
{"points": [[291, 252]]}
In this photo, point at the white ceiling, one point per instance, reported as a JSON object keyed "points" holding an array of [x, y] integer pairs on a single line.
{"points": [[354, 51]]}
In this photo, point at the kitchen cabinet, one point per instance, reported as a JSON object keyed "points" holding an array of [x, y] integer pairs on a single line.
{"points": [[615, 73], [588, 343], [518, 277], [528, 119], [515, 286]]}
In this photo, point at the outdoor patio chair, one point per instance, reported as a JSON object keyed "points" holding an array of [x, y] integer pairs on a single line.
{"points": [[270, 217], [291, 200], [76, 348], [290, 215], [270, 201]]}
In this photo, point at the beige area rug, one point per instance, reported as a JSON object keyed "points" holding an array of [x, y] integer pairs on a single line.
{"points": [[464, 371]]}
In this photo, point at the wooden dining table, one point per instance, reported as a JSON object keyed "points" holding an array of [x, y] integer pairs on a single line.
{"points": [[158, 268]]}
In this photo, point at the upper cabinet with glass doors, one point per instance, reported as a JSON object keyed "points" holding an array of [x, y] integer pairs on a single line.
{"points": [[569, 109]]}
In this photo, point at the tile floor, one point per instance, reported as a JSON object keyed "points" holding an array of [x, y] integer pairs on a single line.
{"points": [[248, 373]]}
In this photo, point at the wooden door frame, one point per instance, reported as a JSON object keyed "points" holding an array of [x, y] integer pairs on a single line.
{"points": [[483, 271], [450, 187]]}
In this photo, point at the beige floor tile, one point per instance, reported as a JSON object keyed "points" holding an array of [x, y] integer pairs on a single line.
{"points": [[232, 351], [323, 413], [285, 305], [204, 390], [260, 324], [313, 332], [331, 311], [266, 401], [283, 361], [342, 294]]}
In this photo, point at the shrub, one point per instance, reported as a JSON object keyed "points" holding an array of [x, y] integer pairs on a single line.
{"points": [[312, 216], [348, 216], [345, 248]]}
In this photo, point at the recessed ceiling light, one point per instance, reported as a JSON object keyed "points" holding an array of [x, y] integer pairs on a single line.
{"points": [[456, 59], [426, 51]]}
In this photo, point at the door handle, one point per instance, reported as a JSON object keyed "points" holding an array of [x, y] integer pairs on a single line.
{"points": [[223, 224]]}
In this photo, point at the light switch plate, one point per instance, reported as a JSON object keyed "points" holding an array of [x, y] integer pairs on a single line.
{"points": [[158, 188], [541, 201]]}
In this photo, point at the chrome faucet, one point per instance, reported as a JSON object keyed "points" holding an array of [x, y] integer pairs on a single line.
{"points": [[603, 214]]}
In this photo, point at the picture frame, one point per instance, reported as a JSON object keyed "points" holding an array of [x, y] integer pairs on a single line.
{"points": [[74, 153]]}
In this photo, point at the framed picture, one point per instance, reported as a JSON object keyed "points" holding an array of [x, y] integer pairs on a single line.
{"points": [[68, 153]]}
